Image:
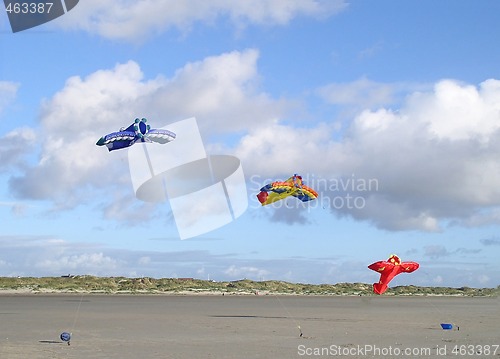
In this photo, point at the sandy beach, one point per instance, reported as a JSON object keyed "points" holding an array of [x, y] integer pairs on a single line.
{"points": [[216, 326]]}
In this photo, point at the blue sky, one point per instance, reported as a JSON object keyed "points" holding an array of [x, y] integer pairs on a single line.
{"points": [[403, 94]]}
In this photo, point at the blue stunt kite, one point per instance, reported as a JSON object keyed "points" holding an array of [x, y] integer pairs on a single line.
{"points": [[139, 131]]}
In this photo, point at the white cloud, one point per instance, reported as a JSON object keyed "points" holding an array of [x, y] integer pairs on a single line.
{"points": [[8, 91], [14, 146], [135, 20], [44, 255], [71, 122], [49, 256], [435, 159], [456, 111], [483, 279], [245, 272], [286, 149], [222, 91], [89, 263]]}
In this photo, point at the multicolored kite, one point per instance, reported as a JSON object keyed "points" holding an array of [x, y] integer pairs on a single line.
{"points": [[291, 187], [389, 269], [139, 131]]}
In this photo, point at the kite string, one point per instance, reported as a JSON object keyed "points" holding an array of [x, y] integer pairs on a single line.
{"points": [[77, 312], [297, 324], [435, 307]]}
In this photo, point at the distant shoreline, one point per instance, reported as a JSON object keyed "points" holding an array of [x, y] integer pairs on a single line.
{"points": [[20, 293], [86, 284]]}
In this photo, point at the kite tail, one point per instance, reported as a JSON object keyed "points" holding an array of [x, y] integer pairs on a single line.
{"points": [[379, 288]]}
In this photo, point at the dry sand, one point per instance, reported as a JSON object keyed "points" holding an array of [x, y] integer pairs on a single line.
{"points": [[168, 326]]}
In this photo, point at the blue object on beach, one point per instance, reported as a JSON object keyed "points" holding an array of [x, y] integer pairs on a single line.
{"points": [[446, 326], [65, 336]]}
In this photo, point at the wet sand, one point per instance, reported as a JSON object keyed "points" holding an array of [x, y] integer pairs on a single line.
{"points": [[216, 326]]}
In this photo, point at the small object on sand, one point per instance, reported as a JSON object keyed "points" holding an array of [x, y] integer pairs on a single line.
{"points": [[65, 337], [446, 326]]}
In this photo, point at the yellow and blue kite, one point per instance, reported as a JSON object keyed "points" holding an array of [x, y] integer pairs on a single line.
{"points": [[278, 190]]}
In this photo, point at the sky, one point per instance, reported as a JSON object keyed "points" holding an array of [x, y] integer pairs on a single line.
{"points": [[390, 110]]}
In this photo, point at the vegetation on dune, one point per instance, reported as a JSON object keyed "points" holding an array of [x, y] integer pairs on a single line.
{"points": [[117, 285]]}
